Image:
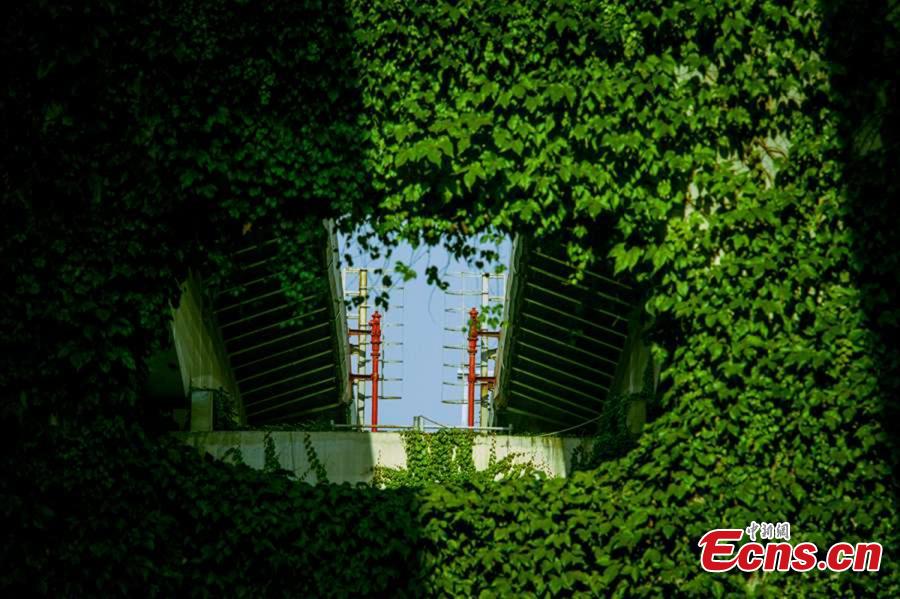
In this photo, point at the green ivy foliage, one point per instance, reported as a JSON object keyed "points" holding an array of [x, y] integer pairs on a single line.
{"points": [[144, 140], [614, 440], [734, 158], [128, 514], [446, 457], [614, 437], [705, 148]]}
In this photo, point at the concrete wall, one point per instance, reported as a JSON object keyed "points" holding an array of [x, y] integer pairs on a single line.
{"points": [[351, 456], [201, 355], [630, 372]]}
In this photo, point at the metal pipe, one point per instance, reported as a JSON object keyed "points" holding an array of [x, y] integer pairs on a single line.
{"points": [[473, 343], [375, 328]]}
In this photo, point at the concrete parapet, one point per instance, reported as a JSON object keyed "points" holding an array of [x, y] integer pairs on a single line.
{"points": [[352, 456]]}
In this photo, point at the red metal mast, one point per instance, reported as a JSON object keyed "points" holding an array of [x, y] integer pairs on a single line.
{"points": [[375, 327], [473, 343], [375, 332]]}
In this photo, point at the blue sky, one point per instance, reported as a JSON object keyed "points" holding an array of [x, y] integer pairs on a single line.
{"points": [[421, 309]]}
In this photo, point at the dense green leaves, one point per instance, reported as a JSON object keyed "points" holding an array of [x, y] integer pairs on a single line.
{"points": [[732, 158], [446, 457]]}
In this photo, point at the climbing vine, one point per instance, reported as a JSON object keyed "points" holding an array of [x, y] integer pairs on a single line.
{"points": [[225, 411], [615, 436], [315, 464], [447, 457]]}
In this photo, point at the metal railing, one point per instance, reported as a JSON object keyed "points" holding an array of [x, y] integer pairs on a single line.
{"points": [[420, 426]]}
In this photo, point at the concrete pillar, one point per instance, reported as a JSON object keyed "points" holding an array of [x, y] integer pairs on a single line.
{"points": [[202, 406]]}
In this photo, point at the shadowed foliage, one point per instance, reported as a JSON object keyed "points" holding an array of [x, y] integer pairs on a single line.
{"points": [[732, 158]]}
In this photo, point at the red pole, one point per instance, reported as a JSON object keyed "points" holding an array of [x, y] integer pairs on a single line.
{"points": [[375, 327], [473, 342]]}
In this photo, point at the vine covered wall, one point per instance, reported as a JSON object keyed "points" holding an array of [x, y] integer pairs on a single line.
{"points": [[736, 159], [446, 457]]}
